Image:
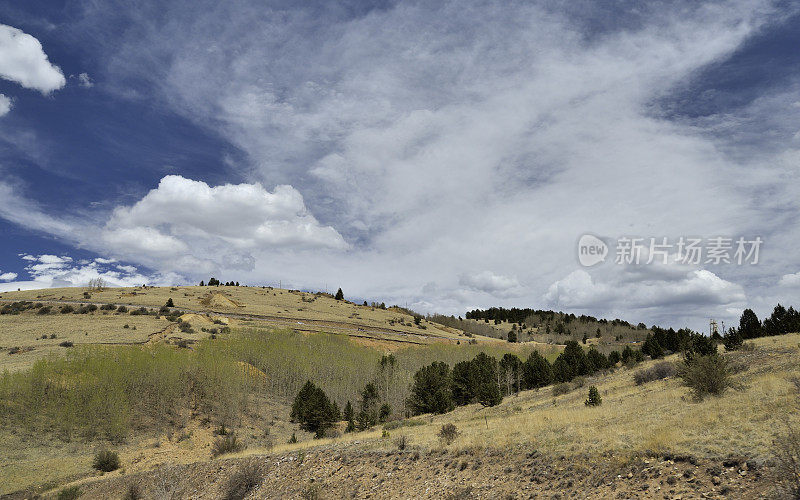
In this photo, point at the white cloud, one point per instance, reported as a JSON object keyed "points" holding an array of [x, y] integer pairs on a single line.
{"points": [[790, 280], [52, 271], [8, 276], [5, 104], [189, 223], [85, 81], [23, 61]]}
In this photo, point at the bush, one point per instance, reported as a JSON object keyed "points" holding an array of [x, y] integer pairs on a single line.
{"points": [[658, 371], [448, 433], [594, 398], [244, 481], [44, 310], [169, 303], [67, 309], [70, 493], [66, 343], [402, 442], [706, 375], [106, 461], [133, 493], [560, 389], [108, 307], [228, 443], [122, 309]]}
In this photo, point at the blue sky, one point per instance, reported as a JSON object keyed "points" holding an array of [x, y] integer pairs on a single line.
{"points": [[444, 155]]}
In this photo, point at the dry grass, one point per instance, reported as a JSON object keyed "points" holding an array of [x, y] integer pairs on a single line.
{"points": [[27, 329]]}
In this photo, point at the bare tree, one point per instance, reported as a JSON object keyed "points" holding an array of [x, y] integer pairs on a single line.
{"points": [[97, 284]]}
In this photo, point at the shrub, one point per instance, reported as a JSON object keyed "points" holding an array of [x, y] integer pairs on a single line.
{"points": [[67, 309], [560, 389], [658, 371], [108, 307], [448, 433], [44, 310], [185, 327], [169, 303], [228, 443], [133, 493], [106, 461], [293, 439], [244, 480], [402, 442], [66, 343], [594, 398], [70, 493], [122, 309], [706, 375]]}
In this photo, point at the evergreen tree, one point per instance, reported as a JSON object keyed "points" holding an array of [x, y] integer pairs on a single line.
{"points": [[384, 412], [733, 340], [349, 416], [432, 391], [594, 398], [464, 383], [613, 358], [749, 325], [537, 371], [169, 303], [652, 348], [339, 294], [512, 336], [368, 411], [487, 390], [313, 410], [596, 360], [201, 283]]}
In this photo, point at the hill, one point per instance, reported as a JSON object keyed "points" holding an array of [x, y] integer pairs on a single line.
{"points": [[644, 440]]}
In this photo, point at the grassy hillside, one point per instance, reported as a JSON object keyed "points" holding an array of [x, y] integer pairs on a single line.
{"points": [[650, 439]]}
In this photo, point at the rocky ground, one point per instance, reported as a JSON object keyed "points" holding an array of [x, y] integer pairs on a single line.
{"points": [[461, 474]]}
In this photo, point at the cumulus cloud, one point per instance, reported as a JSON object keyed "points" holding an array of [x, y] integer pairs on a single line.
{"points": [[5, 104], [189, 222], [22, 60], [8, 276]]}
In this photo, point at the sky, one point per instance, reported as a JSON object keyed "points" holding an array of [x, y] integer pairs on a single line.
{"points": [[443, 156]]}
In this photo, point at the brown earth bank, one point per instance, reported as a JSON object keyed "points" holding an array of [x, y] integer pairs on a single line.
{"points": [[468, 473]]}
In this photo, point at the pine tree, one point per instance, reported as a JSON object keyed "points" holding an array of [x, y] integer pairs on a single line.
{"points": [[487, 390], [733, 340], [313, 410], [201, 283], [339, 294], [349, 416], [431, 391], [169, 303], [594, 398], [537, 371], [749, 325], [368, 411]]}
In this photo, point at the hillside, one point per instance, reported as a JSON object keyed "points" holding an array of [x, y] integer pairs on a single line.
{"points": [[644, 440], [207, 309]]}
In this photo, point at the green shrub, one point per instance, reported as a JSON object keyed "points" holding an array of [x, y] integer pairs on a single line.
{"points": [[448, 433], [67, 309], [70, 493], [706, 375], [44, 310], [561, 389], [228, 443], [106, 461], [133, 493], [594, 398]]}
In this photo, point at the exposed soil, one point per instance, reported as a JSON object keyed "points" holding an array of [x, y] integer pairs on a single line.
{"points": [[464, 474]]}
